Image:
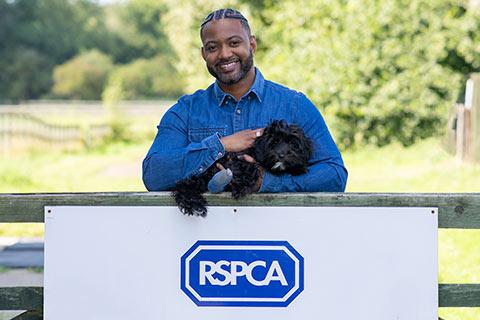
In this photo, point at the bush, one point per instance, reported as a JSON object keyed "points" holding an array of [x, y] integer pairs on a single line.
{"points": [[384, 70], [117, 121], [82, 77], [147, 78]]}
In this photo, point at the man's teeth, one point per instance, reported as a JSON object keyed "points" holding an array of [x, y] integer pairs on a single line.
{"points": [[228, 65]]}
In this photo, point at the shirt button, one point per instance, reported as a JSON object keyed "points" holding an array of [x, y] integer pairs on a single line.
{"points": [[201, 169], [220, 154], [239, 111]]}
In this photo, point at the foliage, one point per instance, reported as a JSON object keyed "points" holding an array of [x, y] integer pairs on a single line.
{"points": [[380, 70], [36, 36], [82, 77], [112, 96], [143, 25], [139, 30], [24, 73], [385, 70], [49, 32], [147, 78]]}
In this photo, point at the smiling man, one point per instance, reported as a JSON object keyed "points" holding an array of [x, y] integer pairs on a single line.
{"points": [[231, 113]]}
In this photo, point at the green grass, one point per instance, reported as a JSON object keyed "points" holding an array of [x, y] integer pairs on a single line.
{"points": [[423, 167], [116, 167]]}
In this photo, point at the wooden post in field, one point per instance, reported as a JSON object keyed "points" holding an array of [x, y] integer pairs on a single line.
{"points": [[472, 103], [460, 133], [4, 133]]}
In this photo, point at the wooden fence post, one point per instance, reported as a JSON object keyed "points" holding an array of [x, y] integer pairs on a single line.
{"points": [[460, 133], [472, 103]]}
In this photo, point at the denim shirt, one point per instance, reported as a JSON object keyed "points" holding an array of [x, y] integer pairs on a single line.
{"points": [[188, 138]]}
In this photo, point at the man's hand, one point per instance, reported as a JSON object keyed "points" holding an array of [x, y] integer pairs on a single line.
{"points": [[241, 140]]}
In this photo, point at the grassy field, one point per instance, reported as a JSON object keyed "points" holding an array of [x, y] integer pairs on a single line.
{"points": [[424, 167]]}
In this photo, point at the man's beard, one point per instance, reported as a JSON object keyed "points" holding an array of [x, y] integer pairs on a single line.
{"points": [[245, 66]]}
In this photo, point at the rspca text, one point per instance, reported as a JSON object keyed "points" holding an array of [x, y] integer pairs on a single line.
{"points": [[242, 273]]}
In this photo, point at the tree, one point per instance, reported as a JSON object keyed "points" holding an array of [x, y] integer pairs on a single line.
{"points": [[25, 72], [380, 70], [139, 29], [48, 31]]}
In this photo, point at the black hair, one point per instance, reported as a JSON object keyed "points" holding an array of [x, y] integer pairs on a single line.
{"points": [[226, 14]]}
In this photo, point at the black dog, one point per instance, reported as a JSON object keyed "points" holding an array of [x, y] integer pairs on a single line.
{"points": [[281, 149]]}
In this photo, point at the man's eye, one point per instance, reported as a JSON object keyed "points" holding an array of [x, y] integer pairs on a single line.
{"points": [[234, 43], [211, 48]]}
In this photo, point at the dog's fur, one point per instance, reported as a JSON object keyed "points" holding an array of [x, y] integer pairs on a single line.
{"points": [[282, 148]]}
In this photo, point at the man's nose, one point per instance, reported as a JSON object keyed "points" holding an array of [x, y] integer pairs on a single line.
{"points": [[225, 52]]}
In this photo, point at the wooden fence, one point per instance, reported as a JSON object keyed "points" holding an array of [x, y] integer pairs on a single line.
{"points": [[135, 108], [459, 211], [20, 130], [463, 136]]}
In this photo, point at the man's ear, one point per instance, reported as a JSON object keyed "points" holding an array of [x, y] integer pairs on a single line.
{"points": [[253, 43], [204, 56]]}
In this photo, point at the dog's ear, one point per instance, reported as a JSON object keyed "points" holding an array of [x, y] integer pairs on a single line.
{"points": [[271, 128], [283, 124], [306, 144], [277, 126], [259, 149]]}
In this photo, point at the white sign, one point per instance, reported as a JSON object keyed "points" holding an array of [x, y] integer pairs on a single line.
{"points": [[241, 263]]}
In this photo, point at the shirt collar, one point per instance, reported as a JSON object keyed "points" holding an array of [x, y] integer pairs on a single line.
{"points": [[256, 89]]}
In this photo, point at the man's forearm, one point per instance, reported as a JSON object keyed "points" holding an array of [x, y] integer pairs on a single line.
{"points": [[164, 166], [322, 177]]}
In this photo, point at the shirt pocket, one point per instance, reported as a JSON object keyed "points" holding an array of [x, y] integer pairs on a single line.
{"points": [[198, 134]]}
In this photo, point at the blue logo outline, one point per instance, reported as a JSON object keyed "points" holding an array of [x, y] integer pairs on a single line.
{"points": [[195, 296]]}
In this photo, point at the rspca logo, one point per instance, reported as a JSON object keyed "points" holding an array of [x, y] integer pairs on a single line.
{"points": [[242, 273]]}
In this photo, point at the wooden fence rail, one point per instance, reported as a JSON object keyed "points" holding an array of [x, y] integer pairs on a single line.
{"points": [[460, 211], [135, 108]]}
